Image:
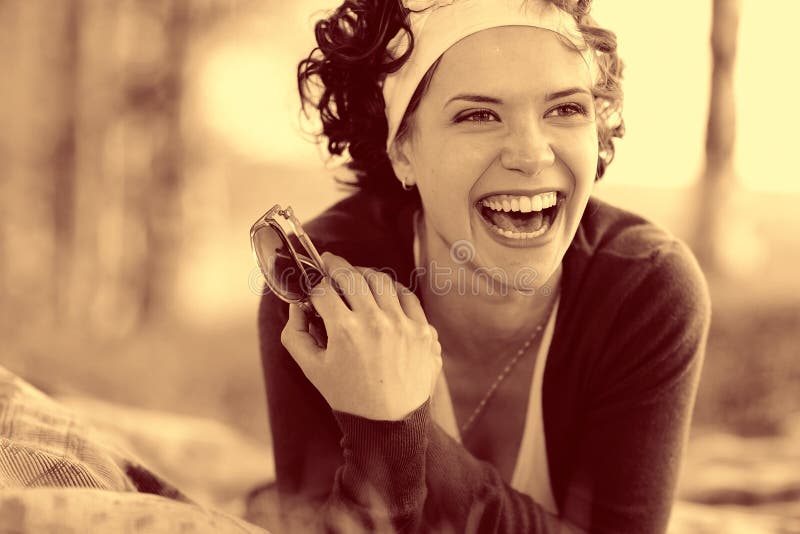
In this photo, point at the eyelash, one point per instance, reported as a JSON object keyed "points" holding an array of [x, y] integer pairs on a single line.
{"points": [[467, 117], [575, 109]]}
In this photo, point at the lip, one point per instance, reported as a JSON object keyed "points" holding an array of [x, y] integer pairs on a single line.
{"points": [[542, 240]]}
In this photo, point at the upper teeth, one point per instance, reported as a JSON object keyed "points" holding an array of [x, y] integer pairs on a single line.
{"points": [[523, 204]]}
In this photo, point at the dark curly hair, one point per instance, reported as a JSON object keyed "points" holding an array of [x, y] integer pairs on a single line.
{"points": [[342, 79]]}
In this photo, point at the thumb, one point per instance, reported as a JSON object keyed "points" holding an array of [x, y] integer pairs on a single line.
{"points": [[298, 341]]}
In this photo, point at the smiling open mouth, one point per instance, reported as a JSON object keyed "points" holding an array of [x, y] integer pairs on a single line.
{"points": [[521, 217]]}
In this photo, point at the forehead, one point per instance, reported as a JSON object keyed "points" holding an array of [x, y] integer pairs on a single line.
{"points": [[510, 59]]}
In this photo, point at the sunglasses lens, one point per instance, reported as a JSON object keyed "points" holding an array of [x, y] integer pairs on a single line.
{"points": [[282, 273]]}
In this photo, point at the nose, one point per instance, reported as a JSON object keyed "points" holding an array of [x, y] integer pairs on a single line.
{"points": [[527, 149]]}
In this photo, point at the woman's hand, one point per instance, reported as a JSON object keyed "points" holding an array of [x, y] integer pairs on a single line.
{"points": [[382, 358]]}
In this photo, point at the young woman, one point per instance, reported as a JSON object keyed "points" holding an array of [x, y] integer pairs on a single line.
{"points": [[540, 374]]}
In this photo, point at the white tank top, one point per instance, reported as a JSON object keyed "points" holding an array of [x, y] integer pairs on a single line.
{"points": [[531, 474]]}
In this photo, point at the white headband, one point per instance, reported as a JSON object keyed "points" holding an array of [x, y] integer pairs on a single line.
{"points": [[438, 24]]}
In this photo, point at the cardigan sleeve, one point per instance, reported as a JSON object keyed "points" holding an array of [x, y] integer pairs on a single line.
{"points": [[410, 476], [640, 399]]}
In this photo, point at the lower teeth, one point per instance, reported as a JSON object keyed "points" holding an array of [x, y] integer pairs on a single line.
{"points": [[521, 235]]}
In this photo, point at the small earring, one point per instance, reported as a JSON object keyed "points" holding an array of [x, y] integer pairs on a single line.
{"points": [[405, 185]]}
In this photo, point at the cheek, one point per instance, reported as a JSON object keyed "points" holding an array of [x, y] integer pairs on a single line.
{"points": [[580, 154], [451, 168]]}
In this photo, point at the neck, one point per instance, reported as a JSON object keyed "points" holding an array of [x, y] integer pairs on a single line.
{"points": [[474, 315]]}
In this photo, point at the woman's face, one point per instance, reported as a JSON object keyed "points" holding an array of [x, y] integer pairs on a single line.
{"points": [[505, 129]]}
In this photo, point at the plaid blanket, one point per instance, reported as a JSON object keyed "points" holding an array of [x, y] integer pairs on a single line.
{"points": [[57, 472]]}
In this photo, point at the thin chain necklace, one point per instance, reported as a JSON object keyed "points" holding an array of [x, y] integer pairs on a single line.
{"points": [[502, 376]]}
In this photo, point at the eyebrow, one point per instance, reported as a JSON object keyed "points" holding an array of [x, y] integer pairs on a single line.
{"points": [[474, 98], [491, 100], [566, 92]]}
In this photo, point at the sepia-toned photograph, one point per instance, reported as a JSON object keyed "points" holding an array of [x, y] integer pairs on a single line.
{"points": [[399, 266]]}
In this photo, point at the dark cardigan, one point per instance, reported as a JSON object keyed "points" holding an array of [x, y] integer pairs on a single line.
{"points": [[619, 387]]}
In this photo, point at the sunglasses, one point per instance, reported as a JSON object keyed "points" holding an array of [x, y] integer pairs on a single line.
{"points": [[289, 274]]}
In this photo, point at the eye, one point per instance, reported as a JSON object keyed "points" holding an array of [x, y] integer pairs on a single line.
{"points": [[478, 115], [567, 110]]}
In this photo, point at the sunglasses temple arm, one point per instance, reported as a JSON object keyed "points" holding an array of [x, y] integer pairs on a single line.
{"points": [[304, 239]]}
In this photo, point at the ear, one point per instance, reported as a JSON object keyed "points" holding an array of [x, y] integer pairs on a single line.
{"points": [[402, 163]]}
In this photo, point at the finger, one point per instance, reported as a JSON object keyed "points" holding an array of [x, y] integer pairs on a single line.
{"points": [[299, 342], [384, 290], [327, 301], [437, 361], [437, 356], [410, 303], [353, 286], [318, 331]]}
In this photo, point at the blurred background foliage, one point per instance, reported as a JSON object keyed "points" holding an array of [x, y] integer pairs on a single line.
{"points": [[140, 139]]}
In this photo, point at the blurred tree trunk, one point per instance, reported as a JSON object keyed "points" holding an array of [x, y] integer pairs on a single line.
{"points": [[36, 147], [163, 219], [718, 179], [63, 161]]}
